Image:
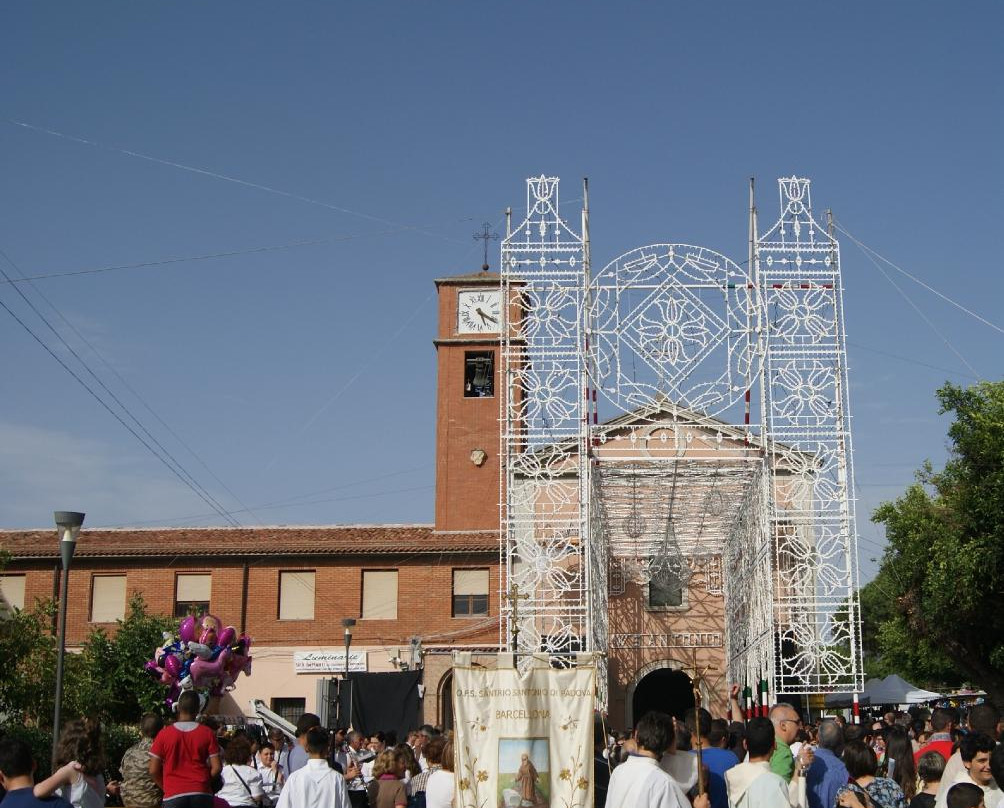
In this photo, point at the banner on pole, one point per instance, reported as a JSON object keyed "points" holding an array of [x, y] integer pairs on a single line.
{"points": [[524, 741]]}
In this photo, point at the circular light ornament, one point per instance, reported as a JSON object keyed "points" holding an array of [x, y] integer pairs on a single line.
{"points": [[674, 324]]}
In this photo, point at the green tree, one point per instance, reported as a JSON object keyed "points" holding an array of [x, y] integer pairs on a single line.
{"points": [[937, 605], [110, 682], [28, 665]]}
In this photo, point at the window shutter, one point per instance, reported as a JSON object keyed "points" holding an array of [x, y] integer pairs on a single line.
{"points": [[470, 582], [380, 595], [11, 593], [296, 595], [108, 595], [194, 588]]}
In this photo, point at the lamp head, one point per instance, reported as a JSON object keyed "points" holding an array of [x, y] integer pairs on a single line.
{"points": [[68, 524], [348, 623]]}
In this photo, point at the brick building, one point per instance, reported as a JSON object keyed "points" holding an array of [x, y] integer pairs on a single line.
{"points": [[437, 585]]}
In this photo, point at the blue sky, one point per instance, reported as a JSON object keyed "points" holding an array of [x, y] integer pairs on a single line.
{"points": [[386, 133]]}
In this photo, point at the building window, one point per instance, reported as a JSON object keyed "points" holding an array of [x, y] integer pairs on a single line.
{"points": [[479, 374], [379, 595], [562, 649], [665, 590], [191, 593], [11, 594], [290, 709], [108, 598], [296, 595], [470, 593]]}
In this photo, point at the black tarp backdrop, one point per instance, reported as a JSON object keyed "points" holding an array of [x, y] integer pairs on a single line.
{"points": [[380, 702]]}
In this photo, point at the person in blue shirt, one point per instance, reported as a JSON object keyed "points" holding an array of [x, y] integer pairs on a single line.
{"points": [[827, 774], [717, 759], [17, 776]]}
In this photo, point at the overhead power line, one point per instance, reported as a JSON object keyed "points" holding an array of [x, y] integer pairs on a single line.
{"points": [[227, 178], [869, 251], [916, 308], [163, 454]]}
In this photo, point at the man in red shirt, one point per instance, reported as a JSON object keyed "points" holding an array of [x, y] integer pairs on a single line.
{"points": [[942, 722], [185, 758]]}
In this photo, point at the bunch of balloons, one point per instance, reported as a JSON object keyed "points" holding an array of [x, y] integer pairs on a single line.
{"points": [[204, 655]]}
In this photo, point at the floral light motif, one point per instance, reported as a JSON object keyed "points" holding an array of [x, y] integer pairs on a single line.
{"points": [[805, 391], [673, 330], [803, 315]]}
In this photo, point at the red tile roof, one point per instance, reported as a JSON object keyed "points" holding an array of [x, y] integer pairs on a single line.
{"points": [[257, 541]]}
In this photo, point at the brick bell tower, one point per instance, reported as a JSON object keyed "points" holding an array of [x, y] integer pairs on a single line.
{"points": [[467, 411]]}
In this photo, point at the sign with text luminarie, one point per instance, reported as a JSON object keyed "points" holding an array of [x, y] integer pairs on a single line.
{"points": [[328, 661], [524, 740]]}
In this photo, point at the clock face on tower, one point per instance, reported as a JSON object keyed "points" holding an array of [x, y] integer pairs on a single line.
{"points": [[478, 311]]}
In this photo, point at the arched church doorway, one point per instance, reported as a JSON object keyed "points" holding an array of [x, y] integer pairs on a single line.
{"points": [[665, 690], [446, 702]]}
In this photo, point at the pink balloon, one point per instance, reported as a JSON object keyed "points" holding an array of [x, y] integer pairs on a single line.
{"points": [[172, 664], [187, 629], [205, 672], [227, 636]]}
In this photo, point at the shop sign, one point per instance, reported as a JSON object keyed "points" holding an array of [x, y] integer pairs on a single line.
{"points": [[328, 661]]}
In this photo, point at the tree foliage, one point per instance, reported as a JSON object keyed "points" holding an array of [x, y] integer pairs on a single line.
{"points": [[111, 683], [106, 680], [936, 609], [28, 664]]}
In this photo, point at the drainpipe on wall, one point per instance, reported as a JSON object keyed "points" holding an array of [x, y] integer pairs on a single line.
{"points": [[244, 599]]}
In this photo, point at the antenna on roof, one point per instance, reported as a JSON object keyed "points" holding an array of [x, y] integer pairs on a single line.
{"points": [[486, 235]]}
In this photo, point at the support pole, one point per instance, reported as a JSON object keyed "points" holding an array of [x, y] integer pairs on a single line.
{"points": [[60, 659]]}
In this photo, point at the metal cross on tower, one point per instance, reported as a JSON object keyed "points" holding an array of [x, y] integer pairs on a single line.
{"points": [[486, 235]]}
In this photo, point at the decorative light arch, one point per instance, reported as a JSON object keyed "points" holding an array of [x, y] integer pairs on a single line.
{"points": [[726, 386]]}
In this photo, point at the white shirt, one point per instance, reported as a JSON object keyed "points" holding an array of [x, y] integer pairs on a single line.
{"points": [[639, 782], [754, 785], [682, 767], [85, 792], [315, 785], [992, 795], [439, 789], [269, 782], [233, 790]]}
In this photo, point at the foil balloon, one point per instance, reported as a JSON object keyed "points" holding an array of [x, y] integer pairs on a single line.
{"points": [[186, 630]]}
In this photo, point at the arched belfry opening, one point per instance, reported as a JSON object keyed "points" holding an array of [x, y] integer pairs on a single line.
{"points": [[664, 689]]}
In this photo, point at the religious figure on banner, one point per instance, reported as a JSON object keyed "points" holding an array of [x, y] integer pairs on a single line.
{"points": [[526, 781], [526, 789]]}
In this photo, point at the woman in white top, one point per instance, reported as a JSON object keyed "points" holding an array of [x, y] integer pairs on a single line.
{"points": [[79, 779], [241, 782], [439, 786]]}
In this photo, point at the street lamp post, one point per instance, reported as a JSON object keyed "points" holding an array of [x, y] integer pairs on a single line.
{"points": [[347, 624], [68, 526]]}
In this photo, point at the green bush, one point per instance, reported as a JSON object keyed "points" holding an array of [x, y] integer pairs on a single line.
{"points": [[118, 738]]}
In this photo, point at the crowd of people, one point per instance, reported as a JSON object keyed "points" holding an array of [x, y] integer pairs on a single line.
{"points": [[190, 763], [918, 759]]}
